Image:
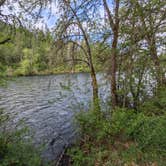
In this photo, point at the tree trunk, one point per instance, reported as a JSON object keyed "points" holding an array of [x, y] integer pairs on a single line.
{"points": [[94, 84], [153, 52], [73, 58], [96, 103], [114, 69], [89, 59], [114, 25]]}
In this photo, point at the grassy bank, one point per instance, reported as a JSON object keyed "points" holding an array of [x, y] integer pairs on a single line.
{"points": [[123, 137]]}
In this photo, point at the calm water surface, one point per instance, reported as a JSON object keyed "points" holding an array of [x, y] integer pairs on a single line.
{"points": [[47, 105]]}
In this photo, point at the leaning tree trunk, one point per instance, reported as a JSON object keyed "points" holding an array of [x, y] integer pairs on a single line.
{"points": [[96, 103], [89, 59], [94, 84]]}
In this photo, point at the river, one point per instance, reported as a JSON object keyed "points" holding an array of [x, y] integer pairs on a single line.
{"points": [[47, 105]]}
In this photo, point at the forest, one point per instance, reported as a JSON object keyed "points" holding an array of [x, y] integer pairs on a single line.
{"points": [[51, 51]]}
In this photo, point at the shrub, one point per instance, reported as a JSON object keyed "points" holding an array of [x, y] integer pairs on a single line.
{"points": [[156, 105], [2, 74], [15, 148], [123, 137], [93, 124]]}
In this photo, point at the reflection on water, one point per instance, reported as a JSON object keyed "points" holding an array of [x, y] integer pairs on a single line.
{"points": [[47, 105]]}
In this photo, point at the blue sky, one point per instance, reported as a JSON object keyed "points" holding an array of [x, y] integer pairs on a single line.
{"points": [[49, 16]]}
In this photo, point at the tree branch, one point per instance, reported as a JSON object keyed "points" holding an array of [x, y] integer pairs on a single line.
{"points": [[109, 14]]}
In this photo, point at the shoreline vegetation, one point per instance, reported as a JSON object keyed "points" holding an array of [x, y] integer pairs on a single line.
{"points": [[114, 138], [126, 40], [47, 72], [123, 138]]}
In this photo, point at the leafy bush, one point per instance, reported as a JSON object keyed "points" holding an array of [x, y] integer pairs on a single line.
{"points": [[92, 124], [121, 137], [156, 105], [2, 74], [15, 148]]}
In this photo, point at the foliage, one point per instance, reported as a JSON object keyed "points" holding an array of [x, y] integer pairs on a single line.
{"points": [[2, 75], [124, 136], [126, 40], [15, 147], [32, 53], [156, 105]]}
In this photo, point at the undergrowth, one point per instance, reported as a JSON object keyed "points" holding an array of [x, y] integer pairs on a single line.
{"points": [[16, 149], [124, 137]]}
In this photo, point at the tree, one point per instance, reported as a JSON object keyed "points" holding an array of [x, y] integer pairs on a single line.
{"points": [[114, 25], [151, 15], [9, 21], [73, 28]]}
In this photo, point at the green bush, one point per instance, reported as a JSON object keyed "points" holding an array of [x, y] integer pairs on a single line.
{"points": [[91, 123], [2, 74], [156, 105], [15, 148], [124, 135], [148, 131]]}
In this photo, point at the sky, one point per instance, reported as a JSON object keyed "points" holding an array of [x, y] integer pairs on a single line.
{"points": [[49, 15]]}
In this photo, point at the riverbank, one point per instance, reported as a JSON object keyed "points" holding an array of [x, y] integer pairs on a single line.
{"points": [[47, 105], [46, 73], [123, 137], [11, 72], [9, 75], [16, 147]]}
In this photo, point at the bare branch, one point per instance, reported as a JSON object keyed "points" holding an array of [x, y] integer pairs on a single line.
{"points": [[110, 17]]}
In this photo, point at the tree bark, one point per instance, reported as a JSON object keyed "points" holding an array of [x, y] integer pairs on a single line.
{"points": [[94, 79], [95, 88], [114, 69]]}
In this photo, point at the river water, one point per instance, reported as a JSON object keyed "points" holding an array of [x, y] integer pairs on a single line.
{"points": [[47, 105]]}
